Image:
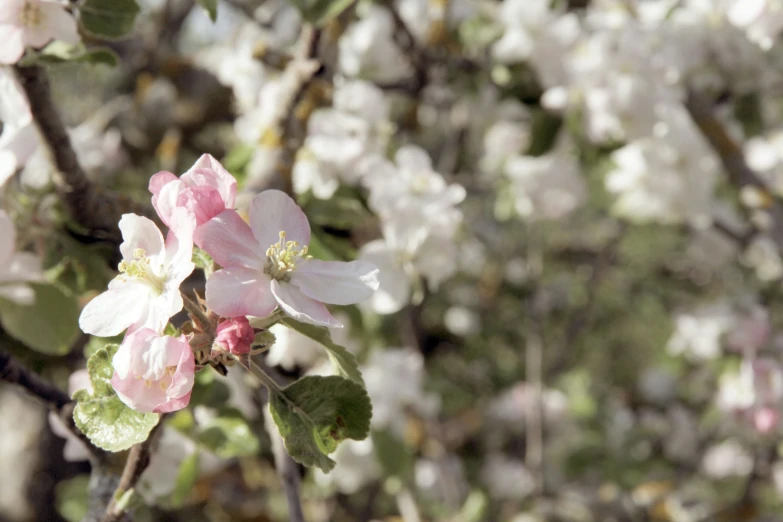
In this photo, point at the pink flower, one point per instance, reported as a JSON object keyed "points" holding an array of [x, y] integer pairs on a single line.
{"points": [[235, 335], [265, 264], [203, 192], [33, 23], [146, 292], [154, 373], [766, 419]]}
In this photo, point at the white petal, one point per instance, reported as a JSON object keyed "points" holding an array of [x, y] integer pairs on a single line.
{"points": [[301, 307], [58, 23], [116, 309], [232, 292], [17, 293], [139, 232], [7, 238], [394, 290], [230, 242], [273, 211], [23, 266], [179, 255], [336, 282]]}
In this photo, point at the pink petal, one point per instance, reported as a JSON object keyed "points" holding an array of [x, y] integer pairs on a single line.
{"points": [[232, 292], [114, 310], [336, 282], [7, 238], [58, 23], [137, 394], [182, 381], [174, 404], [230, 242], [12, 47], [301, 307], [159, 180], [165, 201], [203, 202], [273, 211], [208, 171], [179, 255], [139, 232]]}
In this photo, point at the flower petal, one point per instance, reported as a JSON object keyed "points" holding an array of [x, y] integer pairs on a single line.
{"points": [[209, 172], [179, 255], [115, 309], [23, 266], [13, 44], [203, 202], [159, 180], [58, 23], [336, 282], [394, 289], [272, 211], [139, 232], [230, 242], [301, 307], [18, 293], [7, 238], [232, 292]]}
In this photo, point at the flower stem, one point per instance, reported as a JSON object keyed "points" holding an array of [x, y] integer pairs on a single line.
{"points": [[198, 314]]}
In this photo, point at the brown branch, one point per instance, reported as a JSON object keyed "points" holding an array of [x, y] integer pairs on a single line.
{"points": [[89, 208], [138, 460], [733, 159], [55, 399]]}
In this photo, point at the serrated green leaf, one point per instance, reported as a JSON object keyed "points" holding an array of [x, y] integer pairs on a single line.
{"points": [[343, 361], [316, 413], [320, 12], [186, 479], [210, 6], [108, 18], [50, 325], [229, 435], [102, 416]]}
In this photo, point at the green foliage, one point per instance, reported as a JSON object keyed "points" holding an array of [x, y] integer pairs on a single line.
{"points": [[210, 6], [392, 454], [61, 52], [49, 325], [186, 479], [228, 435], [203, 261], [343, 213], [108, 18], [102, 416], [343, 361], [72, 498], [208, 390], [320, 12], [315, 413]]}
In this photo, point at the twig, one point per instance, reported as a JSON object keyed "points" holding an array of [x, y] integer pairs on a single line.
{"points": [[198, 314], [98, 213], [731, 155], [138, 460]]}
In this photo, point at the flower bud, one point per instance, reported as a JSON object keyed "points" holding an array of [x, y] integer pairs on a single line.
{"points": [[235, 335]]}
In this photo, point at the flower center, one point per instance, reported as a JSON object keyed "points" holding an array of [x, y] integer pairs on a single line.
{"points": [[282, 256], [141, 269], [31, 15]]}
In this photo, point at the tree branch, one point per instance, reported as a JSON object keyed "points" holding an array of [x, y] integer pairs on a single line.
{"points": [[138, 460], [91, 209]]}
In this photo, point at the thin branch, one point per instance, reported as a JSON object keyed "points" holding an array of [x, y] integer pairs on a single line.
{"points": [[97, 212], [733, 159], [198, 314], [54, 398], [138, 460]]}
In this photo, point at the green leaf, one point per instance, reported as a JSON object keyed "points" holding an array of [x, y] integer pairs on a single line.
{"points": [[203, 261], [229, 435], [186, 479], [320, 12], [73, 498], [343, 213], [392, 454], [209, 391], [108, 18], [50, 325], [343, 361], [210, 6], [316, 413], [61, 52], [102, 416]]}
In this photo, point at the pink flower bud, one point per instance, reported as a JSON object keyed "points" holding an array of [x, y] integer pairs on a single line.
{"points": [[235, 335], [766, 419]]}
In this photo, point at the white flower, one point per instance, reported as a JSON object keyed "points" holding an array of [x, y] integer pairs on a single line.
{"points": [[356, 466], [763, 256], [727, 459], [16, 268], [546, 187], [33, 23], [292, 349], [146, 292], [697, 335], [19, 138]]}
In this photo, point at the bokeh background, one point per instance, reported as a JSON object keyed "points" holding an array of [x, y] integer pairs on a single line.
{"points": [[589, 331]]}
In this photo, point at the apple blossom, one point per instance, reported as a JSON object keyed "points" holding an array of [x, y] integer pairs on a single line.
{"points": [[235, 335], [265, 264], [153, 373], [33, 23], [16, 268], [146, 292], [204, 191], [19, 139]]}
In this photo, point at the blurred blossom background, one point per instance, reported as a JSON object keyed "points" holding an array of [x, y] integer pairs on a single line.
{"points": [[576, 207]]}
